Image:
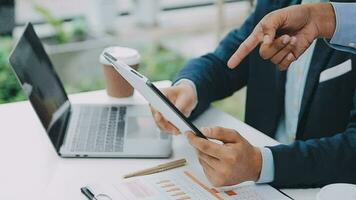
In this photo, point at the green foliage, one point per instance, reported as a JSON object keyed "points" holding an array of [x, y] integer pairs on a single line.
{"points": [[61, 35], [79, 29], [159, 63], [76, 31], [10, 89], [85, 85], [233, 105]]}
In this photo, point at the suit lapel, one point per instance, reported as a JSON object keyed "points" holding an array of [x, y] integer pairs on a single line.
{"points": [[320, 58]]}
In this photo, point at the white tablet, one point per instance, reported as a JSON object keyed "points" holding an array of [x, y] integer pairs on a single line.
{"points": [[153, 95]]}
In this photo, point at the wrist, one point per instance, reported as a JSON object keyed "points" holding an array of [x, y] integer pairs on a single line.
{"points": [[257, 164], [189, 88], [323, 17]]}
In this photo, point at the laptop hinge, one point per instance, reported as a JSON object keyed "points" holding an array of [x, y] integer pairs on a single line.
{"points": [[59, 128]]}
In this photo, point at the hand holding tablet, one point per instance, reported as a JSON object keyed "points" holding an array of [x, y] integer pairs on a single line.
{"points": [[183, 97], [154, 96]]}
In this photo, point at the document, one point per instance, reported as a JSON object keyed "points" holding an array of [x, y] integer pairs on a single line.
{"points": [[180, 185]]}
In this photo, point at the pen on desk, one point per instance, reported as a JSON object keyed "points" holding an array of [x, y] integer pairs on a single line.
{"points": [[88, 193], [158, 168]]}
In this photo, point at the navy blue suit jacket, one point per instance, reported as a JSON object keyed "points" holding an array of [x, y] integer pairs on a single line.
{"points": [[326, 148]]}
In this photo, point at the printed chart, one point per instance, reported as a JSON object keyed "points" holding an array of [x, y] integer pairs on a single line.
{"points": [[183, 185]]}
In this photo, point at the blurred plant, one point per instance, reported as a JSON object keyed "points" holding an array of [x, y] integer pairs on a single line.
{"points": [[76, 31], [79, 29], [57, 24], [159, 63], [10, 89], [85, 85]]}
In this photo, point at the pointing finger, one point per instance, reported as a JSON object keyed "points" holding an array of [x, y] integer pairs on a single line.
{"points": [[246, 47]]}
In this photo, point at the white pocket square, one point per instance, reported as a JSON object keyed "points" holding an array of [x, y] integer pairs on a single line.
{"points": [[336, 71]]}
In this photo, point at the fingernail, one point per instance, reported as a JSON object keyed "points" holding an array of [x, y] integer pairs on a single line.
{"points": [[186, 114], [158, 116], [293, 40], [290, 57], [186, 133], [204, 129], [267, 39], [229, 64], [286, 39]]}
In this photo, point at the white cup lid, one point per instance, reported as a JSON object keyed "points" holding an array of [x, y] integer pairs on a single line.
{"points": [[124, 54], [342, 191]]}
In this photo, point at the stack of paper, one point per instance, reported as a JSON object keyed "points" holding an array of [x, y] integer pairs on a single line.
{"points": [[181, 185]]}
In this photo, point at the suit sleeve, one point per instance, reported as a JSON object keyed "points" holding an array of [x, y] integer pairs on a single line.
{"points": [[210, 74], [317, 162]]}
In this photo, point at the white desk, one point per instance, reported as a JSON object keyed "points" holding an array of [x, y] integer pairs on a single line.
{"points": [[31, 169]]}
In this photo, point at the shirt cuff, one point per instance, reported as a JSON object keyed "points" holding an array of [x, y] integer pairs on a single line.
{"points": [[345, 29], [340, 47], [191, 83], [267, 171]]}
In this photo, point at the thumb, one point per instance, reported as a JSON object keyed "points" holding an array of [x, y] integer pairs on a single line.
{"points": [[271, 23], [183, 104], [269, 28]]}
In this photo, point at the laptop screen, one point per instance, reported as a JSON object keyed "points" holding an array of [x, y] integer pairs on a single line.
{"points": [[40, 82]]}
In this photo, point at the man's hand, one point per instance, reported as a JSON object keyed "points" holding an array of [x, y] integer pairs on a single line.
{"points": [[230, 163], [183, 97], [286, 33]]}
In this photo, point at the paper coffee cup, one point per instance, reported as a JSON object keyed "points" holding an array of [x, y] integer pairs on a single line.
{"points": [[116, 85]]}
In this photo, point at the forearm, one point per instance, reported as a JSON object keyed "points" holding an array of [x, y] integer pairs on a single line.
{"points": [[212, 78], [316, 162]]}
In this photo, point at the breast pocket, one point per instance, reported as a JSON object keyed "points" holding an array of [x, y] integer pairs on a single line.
{"points": [[333, 99], [335, 71]]}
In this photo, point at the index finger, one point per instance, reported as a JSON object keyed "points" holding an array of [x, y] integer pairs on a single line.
{"points": [[246, 47]]}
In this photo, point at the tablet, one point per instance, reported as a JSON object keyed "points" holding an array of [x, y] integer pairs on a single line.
{"points": [[152, 95]]}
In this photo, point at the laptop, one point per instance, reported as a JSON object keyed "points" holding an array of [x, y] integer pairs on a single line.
{"points": [[77, 130]]}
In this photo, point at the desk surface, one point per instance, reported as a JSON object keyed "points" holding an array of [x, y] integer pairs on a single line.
{"points": [[30, 167]]}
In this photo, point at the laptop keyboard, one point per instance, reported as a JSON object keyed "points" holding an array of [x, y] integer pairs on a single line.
{"points": [[100, 129]]}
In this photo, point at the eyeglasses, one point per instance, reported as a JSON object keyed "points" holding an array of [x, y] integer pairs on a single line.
{"points": [[91, 196], [103, 197]]}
